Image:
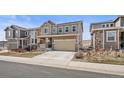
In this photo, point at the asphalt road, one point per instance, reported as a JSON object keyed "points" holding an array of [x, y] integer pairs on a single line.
{"points": [[17, 70]]}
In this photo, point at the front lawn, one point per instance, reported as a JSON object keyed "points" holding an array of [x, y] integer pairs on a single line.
{"points": [[102, 58], [23, 54]]}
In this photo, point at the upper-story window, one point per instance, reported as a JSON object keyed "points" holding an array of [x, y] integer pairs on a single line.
{"points": [[54, 30], [111, 25], [16, 33], [74, 28], [26, 33], [32, 40], [111, 36], [107, 25], [66, 29], [60, 30], [103, 25], [46, 31]]}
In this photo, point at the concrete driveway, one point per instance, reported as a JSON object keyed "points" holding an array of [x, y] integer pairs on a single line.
{"points": [[55, 57]]}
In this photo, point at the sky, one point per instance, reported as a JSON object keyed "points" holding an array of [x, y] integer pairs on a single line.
{"points": [[31, 21]]}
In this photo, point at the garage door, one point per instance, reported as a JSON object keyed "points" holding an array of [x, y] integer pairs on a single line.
{"points": [[64, 45]]}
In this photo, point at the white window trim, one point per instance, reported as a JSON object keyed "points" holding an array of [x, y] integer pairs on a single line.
{"points": [[65, 29], [59, 28], [47, 31], [9, 33], [54, 28], [107, 37]]}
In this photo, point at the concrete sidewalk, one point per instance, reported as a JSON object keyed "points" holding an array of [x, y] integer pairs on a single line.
{"points": [[85, 66]]}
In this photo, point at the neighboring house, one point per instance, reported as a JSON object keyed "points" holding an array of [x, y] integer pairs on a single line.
{"points": [[64, 36], [86, 43], [19, 37], [3, 45], [109, 34]]}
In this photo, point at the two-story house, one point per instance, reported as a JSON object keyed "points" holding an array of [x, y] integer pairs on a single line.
{"points": [[19, 37], [108, 34], [64, 36]]}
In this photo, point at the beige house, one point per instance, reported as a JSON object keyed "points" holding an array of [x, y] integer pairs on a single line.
{"points": [[64, 36], [108, 34]]}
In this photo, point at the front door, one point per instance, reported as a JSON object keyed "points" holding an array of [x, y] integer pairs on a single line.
{"points": [[49, 44]]}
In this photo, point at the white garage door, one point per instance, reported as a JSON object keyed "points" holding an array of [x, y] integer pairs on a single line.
{"points": [[64, 45]]}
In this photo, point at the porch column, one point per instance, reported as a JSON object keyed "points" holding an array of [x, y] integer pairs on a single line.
{"points": [[22, 43], [17, 44], [94, 40], [46, 42], [103, 39], [118, 38]]}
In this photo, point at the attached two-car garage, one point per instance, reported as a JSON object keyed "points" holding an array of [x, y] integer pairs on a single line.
{"points": [[64, 44]]}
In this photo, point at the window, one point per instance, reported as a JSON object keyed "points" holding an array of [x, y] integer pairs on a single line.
{"points": [[111, 25], [111, 36], [46, 31], [60, 30], [107, 25], [74, 28], [66, 29], [16, 32], [103, 25], [32, 40], [54, 30], [26, 33]]}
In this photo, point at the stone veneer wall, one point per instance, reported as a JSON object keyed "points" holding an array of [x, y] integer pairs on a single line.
{"points": [[99, 39]]}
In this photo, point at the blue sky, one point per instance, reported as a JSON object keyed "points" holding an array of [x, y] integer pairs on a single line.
{"points": [[37, 20]]}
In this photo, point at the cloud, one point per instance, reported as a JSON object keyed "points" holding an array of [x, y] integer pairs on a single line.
{"points": [[16, 20]]}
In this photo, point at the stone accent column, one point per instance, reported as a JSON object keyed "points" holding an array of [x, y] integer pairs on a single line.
{"points": [[103, 39], [17, 43], [118, 38], [94, 41]]}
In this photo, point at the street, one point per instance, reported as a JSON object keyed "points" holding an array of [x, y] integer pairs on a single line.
{"points": [[17, 70]]}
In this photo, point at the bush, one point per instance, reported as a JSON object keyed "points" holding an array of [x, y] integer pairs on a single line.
{"points": [[79, 55]]}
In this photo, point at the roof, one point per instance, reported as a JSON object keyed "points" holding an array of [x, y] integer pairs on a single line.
{"points": [[49, 21], [118, 17], [17, 27], [110, 21], [20, 28], [14, 27], [69, 22], [102, 22], [32, 29]]}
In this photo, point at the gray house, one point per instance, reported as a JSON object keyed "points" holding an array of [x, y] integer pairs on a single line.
{"points": [[108, 34], [20, 37], [3, 45]]}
